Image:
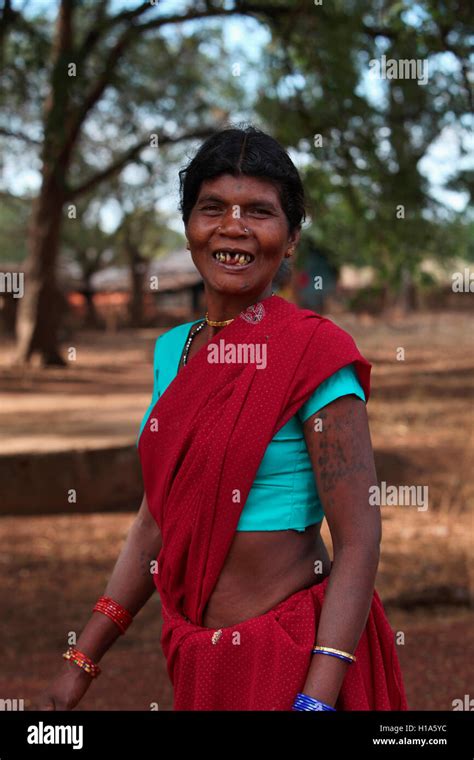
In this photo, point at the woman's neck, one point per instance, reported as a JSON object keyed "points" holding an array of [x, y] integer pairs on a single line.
{"points": [[224, 306]]}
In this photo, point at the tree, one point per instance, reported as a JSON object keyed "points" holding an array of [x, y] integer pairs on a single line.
{"points": [[87, 245], [141, 236], [368, 198], [94, 61]]}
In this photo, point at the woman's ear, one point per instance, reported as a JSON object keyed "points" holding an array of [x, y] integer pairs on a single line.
{"points": [[293, 241]]}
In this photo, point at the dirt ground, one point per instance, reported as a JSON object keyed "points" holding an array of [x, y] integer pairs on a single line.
{"points": [[421, 411]]}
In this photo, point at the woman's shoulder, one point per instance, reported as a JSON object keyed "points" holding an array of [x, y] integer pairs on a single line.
{"points": [[323, 331]]}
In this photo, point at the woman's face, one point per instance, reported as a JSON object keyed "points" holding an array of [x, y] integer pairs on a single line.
{"points": [[241, 215]]}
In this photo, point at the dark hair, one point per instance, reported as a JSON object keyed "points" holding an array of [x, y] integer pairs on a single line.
{"points": [[247, 151]]}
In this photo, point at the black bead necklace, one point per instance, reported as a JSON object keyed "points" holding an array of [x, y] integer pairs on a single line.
{"points": [[190, 340]]}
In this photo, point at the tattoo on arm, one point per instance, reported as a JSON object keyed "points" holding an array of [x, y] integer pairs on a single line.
{"points": [[337, 448]]}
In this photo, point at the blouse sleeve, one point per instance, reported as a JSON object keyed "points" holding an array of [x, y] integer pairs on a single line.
{"points": [[156, 393], [341, 383]]}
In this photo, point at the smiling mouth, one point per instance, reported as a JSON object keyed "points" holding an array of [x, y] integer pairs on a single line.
{"points": [[233, 258]]}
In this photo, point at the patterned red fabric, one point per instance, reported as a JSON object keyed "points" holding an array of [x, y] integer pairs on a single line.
{"points": [[200, 451], [262, 663]]}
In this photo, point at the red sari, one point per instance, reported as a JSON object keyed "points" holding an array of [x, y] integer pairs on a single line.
{"points": [[200, 452]]}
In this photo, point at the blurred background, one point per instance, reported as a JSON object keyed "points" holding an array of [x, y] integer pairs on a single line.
{"points": [[101, 104]]}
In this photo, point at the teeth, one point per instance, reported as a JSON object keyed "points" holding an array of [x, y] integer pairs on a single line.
{"points": [[226, 258]]}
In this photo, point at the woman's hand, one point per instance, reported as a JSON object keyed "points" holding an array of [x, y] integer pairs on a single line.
{"points": [[66, 690]]}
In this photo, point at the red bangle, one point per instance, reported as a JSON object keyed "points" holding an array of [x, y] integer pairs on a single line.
{"points": [[83, 661], [121, 617]]}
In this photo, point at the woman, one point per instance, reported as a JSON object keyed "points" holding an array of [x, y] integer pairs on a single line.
{"points": [[243, 452]]}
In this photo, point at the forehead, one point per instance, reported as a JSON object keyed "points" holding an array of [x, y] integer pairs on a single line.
{"points": [[242, 188]]}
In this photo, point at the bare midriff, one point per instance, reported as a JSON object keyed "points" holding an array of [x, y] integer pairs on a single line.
{"points": [[263, 567]]}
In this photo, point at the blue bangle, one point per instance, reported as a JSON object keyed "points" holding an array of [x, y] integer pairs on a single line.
{"points": [[333, 654], [305, 702]]}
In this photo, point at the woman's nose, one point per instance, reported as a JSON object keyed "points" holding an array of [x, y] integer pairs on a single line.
{"points": [[233, 223]]}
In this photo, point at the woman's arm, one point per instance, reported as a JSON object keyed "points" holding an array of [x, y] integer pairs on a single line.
{"points": [[343, 463], [131, 584]]}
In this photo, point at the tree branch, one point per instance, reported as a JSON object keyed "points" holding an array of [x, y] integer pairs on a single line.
{"points": [[99, 29], [240, 9], [6, 20], [129, 155], [20, 136], [7, 17], [56, 103], [378, 31], [63, 40], [94, 95], [122, 43]]}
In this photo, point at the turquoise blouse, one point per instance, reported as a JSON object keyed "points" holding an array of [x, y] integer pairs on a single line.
{"points": [[284, 494]]}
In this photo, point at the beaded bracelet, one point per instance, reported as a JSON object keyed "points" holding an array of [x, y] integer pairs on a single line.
{"points": [[121, 617], [306, 703], [83, 661], [350, 658]]}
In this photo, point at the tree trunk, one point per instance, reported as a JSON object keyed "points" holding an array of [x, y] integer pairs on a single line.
{"points": [[138, 269], [407, 294], [91, 320], [39, 312]]}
